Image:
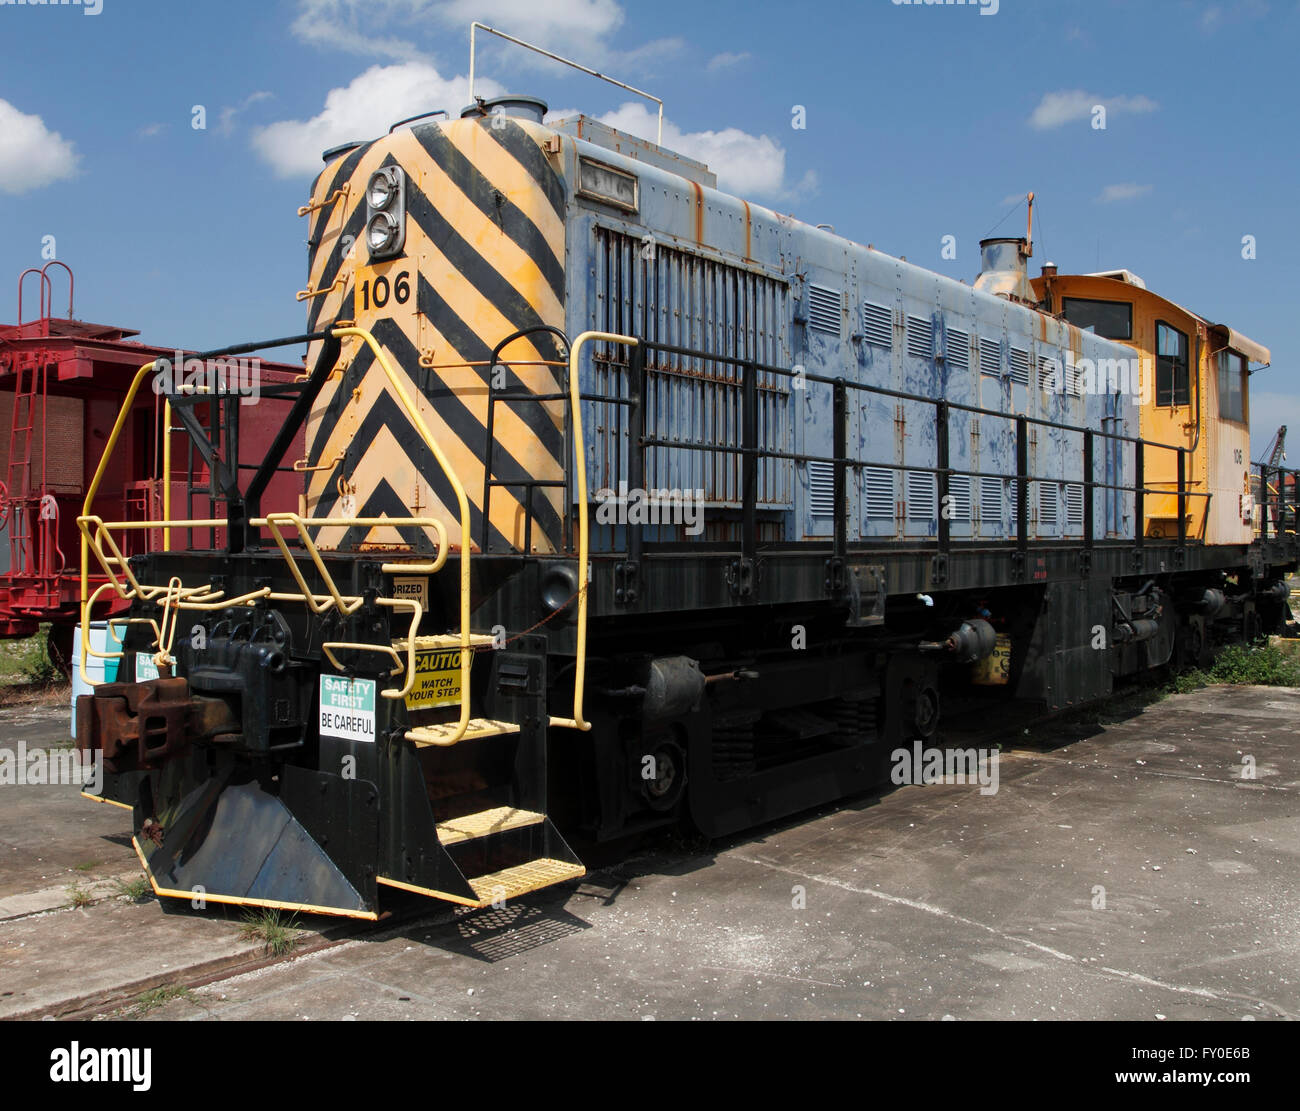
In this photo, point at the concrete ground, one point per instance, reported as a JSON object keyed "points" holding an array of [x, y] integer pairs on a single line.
{"points": [[1131, 874]]}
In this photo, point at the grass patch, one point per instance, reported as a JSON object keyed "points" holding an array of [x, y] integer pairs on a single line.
{"points": [[27, 662], [1262, 665], [158, 997], [87, 865], [136, 890], [279, 935], [78, 896]]}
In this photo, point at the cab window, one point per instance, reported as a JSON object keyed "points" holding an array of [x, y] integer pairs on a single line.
{"points": [[1112, 319], [1173, 383], [1232, 386]]}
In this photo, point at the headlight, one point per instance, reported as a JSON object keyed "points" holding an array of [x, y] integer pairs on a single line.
{"points": [[384, 186], [382, 232]]}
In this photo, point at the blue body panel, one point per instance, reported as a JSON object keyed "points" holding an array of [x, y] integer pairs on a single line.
{"points": [[698, 268]]}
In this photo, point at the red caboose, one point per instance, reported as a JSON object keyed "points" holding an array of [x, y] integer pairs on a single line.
{"points": [[62, 382]]}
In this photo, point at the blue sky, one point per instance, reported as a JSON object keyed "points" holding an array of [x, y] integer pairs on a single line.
{"points": [[921, 121]]}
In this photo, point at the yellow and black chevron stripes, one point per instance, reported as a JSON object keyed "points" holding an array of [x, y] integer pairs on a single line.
{"points": [[484, 257]]}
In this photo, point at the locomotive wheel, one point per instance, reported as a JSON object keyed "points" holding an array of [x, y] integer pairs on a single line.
{"points": [[923, 704], [665, 788]]}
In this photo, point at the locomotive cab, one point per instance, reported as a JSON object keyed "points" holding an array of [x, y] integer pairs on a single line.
{"points": [[1193, 383]]}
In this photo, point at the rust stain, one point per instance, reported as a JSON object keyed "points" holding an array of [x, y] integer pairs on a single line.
{"points": [[699, 211], [749, 232]]}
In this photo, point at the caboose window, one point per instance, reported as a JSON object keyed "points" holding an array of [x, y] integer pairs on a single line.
{"points": [[1173, 386], [1232, 386], [1112, 319]]}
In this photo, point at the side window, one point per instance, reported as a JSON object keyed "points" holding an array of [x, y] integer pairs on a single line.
{"points": [[1112, 319], [1173, 384], [1232, 386]]}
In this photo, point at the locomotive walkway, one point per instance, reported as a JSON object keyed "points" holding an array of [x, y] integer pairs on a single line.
{"points": [[1133, 873]]}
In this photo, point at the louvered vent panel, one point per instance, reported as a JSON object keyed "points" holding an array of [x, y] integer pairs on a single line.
{"points": [[922, 496], [1020, 366], [959, 507], [878, 325], [880, 493], [1050, 377], [1049, 496], [1074, 504], [990, 356], [990, 499], [957, 348], [920, 337], [824, 309], [821, 489]]}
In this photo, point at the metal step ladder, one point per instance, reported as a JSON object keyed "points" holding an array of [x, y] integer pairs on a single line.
{"points": [[497, 835]]}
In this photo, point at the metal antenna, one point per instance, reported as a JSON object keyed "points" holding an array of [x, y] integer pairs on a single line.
{"points": [[659, 138]]}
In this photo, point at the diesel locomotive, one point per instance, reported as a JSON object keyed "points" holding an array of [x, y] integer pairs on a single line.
{"points": [[628, 503]]}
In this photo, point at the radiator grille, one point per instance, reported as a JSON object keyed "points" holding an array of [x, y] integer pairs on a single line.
{"points": [[1074, 504], [681, 299], [1049, 496]]}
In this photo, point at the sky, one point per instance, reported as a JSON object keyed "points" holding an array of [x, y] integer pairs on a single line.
{"points": [[920, 121]]}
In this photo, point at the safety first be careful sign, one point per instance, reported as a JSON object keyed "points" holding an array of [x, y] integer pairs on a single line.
{"points": [[347, 708], [437, 679]]}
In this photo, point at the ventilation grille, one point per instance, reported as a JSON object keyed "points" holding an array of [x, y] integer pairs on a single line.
{"points": [[1049, 498], [1049, 374], [878, 325], [824, 309], [1074, 504], [880, 493], [922, 496], [959, 507], [990, 500], [957, 349], [821, 489], [920, 337], [1020, 366], [683, 300], [990, 356]]}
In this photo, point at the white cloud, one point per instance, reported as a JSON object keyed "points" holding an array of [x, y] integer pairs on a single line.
{"points": [[1126, 192], [387, 27], [226, 124], [748, 165], [726, 60], [152, 130], [1069, 105], [31, 155], [363, 109]]}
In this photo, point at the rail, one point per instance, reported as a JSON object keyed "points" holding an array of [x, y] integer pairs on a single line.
{"points": [[751, 453], [100, 539]]}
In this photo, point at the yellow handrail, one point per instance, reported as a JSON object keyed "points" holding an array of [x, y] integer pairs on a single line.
{"points": [[580, 469], [462, 504]]}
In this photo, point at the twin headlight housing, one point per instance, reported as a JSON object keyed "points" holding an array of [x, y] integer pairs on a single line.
{"points": [[386, 212]]}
